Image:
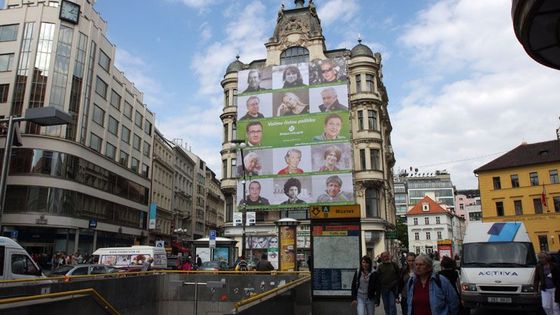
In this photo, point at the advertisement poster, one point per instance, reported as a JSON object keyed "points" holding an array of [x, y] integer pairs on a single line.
{"points": [[295, 121], [287, 248]]}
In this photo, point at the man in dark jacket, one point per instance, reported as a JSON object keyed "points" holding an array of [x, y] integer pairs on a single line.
{"points": [[388, 283], [264, 264]]}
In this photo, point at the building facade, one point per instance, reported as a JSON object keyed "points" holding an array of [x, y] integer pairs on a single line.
{"points": [[435, 184], [86, 184], [298, 39], [183, 190], [523, 185]]}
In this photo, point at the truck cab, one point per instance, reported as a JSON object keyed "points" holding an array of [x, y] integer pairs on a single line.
{"points": [[498, 267], [15, 262]]}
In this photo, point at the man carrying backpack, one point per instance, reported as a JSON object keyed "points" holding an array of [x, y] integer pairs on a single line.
{"points": [[430, 293], [241, 264], [388, 282]]}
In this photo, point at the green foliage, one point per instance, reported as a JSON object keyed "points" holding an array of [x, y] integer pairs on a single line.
{"points": [[402, 232]]}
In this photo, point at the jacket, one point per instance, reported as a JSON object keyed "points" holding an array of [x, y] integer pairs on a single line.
{"points": [[373, 293], [443, 299]]}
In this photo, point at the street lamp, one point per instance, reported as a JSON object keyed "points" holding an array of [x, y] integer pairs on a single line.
{"points": [[242, 145], [43, 116]]}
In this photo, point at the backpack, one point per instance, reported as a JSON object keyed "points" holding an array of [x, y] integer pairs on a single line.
{"points": [[242, 265]]}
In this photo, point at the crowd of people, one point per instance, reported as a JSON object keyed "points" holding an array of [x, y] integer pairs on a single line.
{"points": [[60, 259]]}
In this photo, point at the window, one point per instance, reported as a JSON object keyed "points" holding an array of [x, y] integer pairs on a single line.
{"points": [[534, 178], [95, 142], [360, 120], [374, 156], [372, 120], [416, 236], [372, 203], [427, 221], [514, 181], [6, 61], [125, 134], [500, 208], [518, 206], [439, 235], [98, 115], [134, 165], [115, 100], [496, 181], [113, 125], [110, 151], [4, 89], [369, 82], [146, 149], [438, 221], [8, 32], [138, 119], [537, 204], [358, 83], [22, 265], [553, 176], [123, 158], [136, 141], [296, 54], [362, 159], [556, 201], [415, 220], [428, 236], [104, 60], [145, 170], [148, 127], [101, 88], [127, 110]]}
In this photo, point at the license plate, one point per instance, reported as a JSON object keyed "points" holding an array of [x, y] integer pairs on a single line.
{"points": [[499, 300]]}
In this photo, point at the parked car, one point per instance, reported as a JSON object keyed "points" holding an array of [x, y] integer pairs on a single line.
{"points": [[214, 265], [81, 270]]}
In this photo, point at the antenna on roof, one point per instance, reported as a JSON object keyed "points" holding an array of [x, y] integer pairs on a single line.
{"points": [[558, 132]]}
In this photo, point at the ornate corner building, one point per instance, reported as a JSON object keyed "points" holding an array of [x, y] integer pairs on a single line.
{"points": [[297, 39]]}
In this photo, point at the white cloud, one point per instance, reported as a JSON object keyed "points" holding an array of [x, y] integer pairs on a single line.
{"points": [[198, 4], [339, 11], [494, 96], [205, 31]]}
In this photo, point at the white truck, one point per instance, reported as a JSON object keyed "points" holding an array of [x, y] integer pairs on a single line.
{"points": [[498, 267], [134, 256], [16, 264]]}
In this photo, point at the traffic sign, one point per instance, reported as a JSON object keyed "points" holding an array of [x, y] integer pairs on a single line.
{"points": [[212, 238]]}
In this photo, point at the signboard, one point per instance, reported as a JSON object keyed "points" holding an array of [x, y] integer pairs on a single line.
{"points": [[92, 223], [392, 235], [160, 243], [287, 248], [295, 120], [152, 216], [251, 217], [237, 218], [335, 212], [336, 256]]}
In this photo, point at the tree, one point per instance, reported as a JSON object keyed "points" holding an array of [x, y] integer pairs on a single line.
{"points": [[402, 232]]}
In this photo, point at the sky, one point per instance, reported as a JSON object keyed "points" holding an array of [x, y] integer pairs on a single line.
{"points": [[462, 91]]}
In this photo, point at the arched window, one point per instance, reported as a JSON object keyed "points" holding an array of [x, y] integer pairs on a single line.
{"points": [[294, 55]]}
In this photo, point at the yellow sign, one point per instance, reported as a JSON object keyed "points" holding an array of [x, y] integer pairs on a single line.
{"points": [[335, 212]]}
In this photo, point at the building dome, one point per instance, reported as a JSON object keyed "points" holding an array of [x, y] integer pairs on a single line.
{"points": [[361, 50], [235, 66]]}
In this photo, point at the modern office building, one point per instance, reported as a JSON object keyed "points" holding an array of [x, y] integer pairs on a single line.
{"points": [[401, 194], [435, 184], [523, 185], [363, 155], [86, 184]]}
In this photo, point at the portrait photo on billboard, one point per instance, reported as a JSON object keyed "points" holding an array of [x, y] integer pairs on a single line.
{"points": [[335, 188], [257, 163], [327, 71], [290, 76], [290, 103], [329, 98], [331, 157], [292, 160], [292, 191], [250, 107], [254, 80], [259, 192], [335, 126]]}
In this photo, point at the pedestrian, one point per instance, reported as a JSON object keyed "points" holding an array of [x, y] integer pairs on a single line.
{"points": [[547, 279], [264, 264], [241, 264], [406, 273], [388, 283], [437, 263], [428, 292], [187, 265], [198, 261], [310, 262], [449, 270], [364, 293]]}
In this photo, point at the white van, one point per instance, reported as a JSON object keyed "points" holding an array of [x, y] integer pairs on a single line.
{"points": [[498, 267], [135, 256], [15, 262]]}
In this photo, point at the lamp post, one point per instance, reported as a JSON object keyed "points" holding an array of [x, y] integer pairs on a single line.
{"points": [[242, 145], [43, 116]]}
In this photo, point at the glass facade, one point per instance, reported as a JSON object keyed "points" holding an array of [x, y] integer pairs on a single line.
{"points": [[76, 89], [70, 167]]}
